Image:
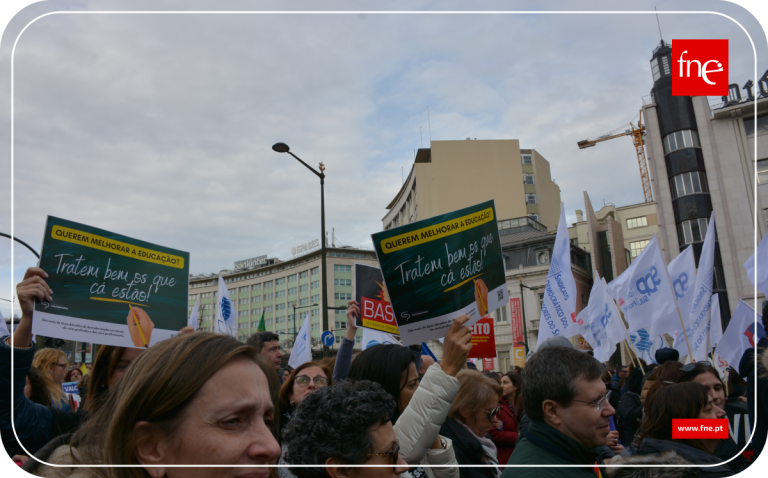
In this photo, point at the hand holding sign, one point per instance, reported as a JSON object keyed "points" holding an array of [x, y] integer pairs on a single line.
{"points": [[481, 297], [140, 327], [32, 288], [456, 346]]}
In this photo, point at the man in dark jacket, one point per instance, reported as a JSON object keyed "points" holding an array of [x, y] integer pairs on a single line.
{"points": [[570, 415]]}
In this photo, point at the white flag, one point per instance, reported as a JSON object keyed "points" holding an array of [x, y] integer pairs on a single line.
{"points": [[558, 311], [646, 345], [226, 312], [4, 328], [698, 324], [759, 277], [644, 292], [716, 321], [740, 335], [193, 318], [682, 273], [373, 337], [603, 328], [302, 346]]}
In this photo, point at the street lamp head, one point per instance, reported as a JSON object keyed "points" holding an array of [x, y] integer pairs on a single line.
{"points": [[280, 148]]}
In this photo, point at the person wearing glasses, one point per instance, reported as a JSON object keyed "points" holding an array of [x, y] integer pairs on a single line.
{"points": [[302, 381], [570, 412], [470, 419], [53, 361], [349, 423]]}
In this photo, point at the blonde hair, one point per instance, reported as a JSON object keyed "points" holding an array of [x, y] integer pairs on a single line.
{"points": [[156, 388], [43, 360], [475, 390]]}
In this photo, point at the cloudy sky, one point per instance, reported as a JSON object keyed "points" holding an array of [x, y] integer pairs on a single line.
{"points": [[160, 126]]}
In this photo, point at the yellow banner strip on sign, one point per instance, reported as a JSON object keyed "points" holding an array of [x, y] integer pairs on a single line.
{"points": [[463, 282], [143, 306], [392, 329], [116, 247], [437, 231]]}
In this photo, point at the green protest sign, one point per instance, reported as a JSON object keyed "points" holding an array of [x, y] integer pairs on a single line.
{"points": [[442, 267], [110, 289]]}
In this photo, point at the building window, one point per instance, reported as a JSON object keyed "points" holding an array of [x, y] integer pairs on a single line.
{"points": [[691, 231], [279, 293], [316, 298], [359, 339], [268, 321], [681, 139], [527, 158], [315, 284], [256, 311], [530, 199], [292, 278], [281, 320], [256, 287], [243, 301], [341, 325], [243, 313], [304, 301], [528, 178], [636, 222], [343, 296], [303, 275], [316, 327], [341, 268], [655, 69], [268, 296], [535, 217], [304, 288], [268, 308], [635, 248], [244, 289], [280, 281], [345, 282], [280, 307], [256, 298], [688, 183], [315, 271], [292, 290], [501, 314], [762, 126], [268, 284], [762, 171], [315, 312]]}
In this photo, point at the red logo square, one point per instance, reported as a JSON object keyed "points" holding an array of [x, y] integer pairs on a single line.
{"points": [[699, 67]]}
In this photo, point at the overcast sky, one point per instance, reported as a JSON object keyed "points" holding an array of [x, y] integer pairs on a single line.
{"points": [[160, 126]]}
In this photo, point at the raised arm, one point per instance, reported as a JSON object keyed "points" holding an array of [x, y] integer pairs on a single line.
{"points": [[344, 357]]}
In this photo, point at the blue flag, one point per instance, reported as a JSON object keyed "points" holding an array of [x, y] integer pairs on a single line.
{"points": [[425, 351]]}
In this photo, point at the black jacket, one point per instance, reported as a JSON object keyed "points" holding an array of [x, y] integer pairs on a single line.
{"points": [[629, 413], [651, 446], [467, 449]]}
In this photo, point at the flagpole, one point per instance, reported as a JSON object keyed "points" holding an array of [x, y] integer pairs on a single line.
{"points": [[631, 357], [629, 341], [640, 365], [685, 332]]}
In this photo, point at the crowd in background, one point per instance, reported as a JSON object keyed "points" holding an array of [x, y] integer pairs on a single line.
{"points": [[202, 398]]}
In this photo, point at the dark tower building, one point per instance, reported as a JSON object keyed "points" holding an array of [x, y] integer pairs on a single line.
{"points": [[684, 168]]}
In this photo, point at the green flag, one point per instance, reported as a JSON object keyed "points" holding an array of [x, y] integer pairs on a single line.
{"points": [[261, 327]]}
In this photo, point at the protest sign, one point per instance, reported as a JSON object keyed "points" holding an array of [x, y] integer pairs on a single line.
{"points": [[371, 293], [373, 337], [107, 286], [487, 364], [440, 268], [70, 388], [483, 339], [518, 341]]}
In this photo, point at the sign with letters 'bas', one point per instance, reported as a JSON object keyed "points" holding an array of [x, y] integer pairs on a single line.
{"points": [[440, 268], [371, 293], [110, 289]]}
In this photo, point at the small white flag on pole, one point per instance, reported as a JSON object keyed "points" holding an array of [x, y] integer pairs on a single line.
{"points": [[644, 292], [226, 312], [302, 346], [740, 335], [646, 345], [698, 323], [194, 317], [558, 310], [373, 337], [602, 328], [682, 273], [716, 321], [759, 277]]}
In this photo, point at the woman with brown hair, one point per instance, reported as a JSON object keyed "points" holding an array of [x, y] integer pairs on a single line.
{"points": [[73, 375], [53, 363], [676, 401], [168, 409], [469, 422], [303, 380], [510, 411]]}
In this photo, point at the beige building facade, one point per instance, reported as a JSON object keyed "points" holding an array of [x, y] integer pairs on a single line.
{"points": [[451, 175]]}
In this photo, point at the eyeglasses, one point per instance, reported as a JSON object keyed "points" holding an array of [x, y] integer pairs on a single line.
{"points": [[394, 454], [303, 381], [599, 403], [692, 365], [492, 412]]}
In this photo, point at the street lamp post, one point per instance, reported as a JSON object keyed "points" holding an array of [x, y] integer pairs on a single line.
{"points": [[522, 303], [283, 148], [294, 317]]}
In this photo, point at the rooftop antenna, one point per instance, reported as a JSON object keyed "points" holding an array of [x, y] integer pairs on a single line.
{"points": [[659, 24], [429, 126]]}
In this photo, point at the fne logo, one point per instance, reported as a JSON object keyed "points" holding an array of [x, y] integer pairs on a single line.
{"points": [[699, 67]]}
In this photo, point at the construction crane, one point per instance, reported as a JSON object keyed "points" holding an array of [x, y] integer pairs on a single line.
{"points": [[637, 138]]}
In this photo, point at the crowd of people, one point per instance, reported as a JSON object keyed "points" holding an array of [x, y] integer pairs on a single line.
{"points": [[205, 399]]}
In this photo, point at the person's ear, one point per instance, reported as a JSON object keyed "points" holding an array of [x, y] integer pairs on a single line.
{"points": [[338, 469], [150, 451], [552, 411], [464, 412]]}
